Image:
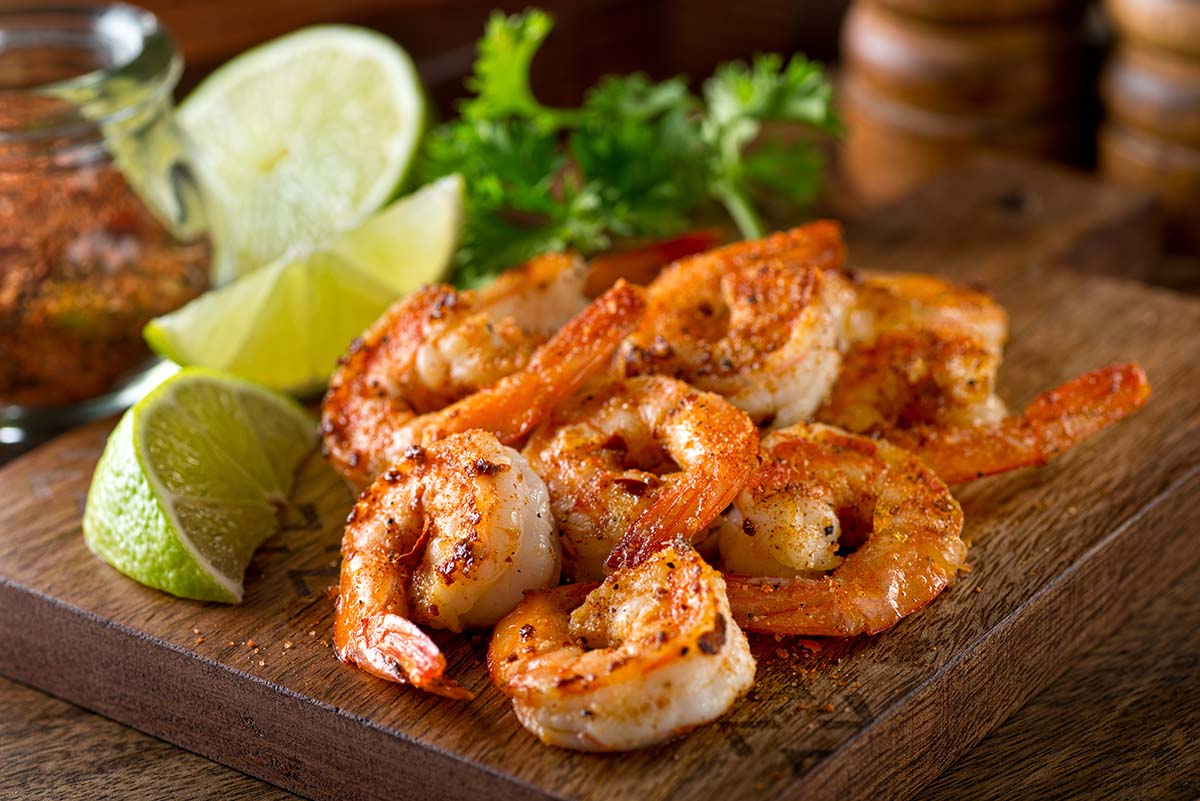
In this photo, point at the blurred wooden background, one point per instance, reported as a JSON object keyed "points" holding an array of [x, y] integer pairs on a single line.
{"points": [[921, 82], [592, 37]]}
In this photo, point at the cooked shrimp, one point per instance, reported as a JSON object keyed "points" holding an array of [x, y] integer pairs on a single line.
{"points": [[449, 537], [921, 351], [369, 417], [1056, 421], [818, 488], [641, 265], [650, 457], [649, 654], [758, 323]]}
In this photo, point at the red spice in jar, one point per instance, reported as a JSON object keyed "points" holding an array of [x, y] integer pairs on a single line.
{"points": [[84, 265]]}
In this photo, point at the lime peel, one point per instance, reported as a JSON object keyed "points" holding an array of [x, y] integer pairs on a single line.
{"points": [[186, 525], [285, 325]]}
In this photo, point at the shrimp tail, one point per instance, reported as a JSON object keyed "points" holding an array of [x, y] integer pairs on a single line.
{"points": [[640, 265], [397, 650], [561, 366], [1056, 421], [581, 347], [672, 516], [652, 531]]}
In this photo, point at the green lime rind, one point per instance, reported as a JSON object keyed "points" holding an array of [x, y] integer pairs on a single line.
{"points": [[192, 480], [285, 325]]}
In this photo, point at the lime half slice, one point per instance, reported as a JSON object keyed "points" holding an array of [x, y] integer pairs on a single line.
{"points": [[192, 480], [285, 325], [302, 137]]}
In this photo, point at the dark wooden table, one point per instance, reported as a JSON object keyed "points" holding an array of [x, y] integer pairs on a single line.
{"points": [[1122, 723]]}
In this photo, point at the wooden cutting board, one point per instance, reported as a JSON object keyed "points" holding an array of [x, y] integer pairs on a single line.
{"points": [[1060, 555]]}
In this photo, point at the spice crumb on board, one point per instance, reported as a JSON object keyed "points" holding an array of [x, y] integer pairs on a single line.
{"points": [[199, 640], [232, 644], [829, 708], [287, 644], [249, 643]]}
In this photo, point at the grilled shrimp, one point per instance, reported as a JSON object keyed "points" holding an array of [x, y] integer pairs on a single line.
{"points": [[371, 414], [1056, 421], [921, 351], [647, 458], [449, 537], [759, 323], [820, 488], [645, 656]]}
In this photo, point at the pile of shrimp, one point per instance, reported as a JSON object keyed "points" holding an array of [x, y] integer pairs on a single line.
{"points": [[756, 440]]}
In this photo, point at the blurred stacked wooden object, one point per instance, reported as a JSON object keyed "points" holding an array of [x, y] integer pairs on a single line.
{"points": [[926, 82], [1151, 93]]}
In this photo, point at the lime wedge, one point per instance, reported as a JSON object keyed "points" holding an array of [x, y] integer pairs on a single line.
{"points": [[192, 480], [302, 137], [285, 325]]}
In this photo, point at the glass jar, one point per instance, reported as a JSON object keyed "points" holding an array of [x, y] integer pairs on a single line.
{"points": [[102, 224]]}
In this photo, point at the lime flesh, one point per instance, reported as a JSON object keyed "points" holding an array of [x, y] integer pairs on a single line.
{"points": [[302, 137], [285, 325], [193, 478]]}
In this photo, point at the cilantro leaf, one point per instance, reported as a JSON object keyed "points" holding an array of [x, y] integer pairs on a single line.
{"points": [[634, 143], [500, 79], [739, 100], [639, 158]]}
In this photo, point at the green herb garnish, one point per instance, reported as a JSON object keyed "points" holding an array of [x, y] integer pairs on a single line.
{"points": [[638, 159]]}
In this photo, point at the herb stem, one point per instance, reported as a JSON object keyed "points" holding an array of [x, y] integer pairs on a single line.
{"points": [[749, 224]]}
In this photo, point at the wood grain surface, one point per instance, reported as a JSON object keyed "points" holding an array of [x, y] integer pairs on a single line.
{"points": [[54, 751], [1153, 92], [1168, 24], [1012, 70], [1125, 717], [1168, 170], [1121, 724], [891, 148], [1061, 555]]}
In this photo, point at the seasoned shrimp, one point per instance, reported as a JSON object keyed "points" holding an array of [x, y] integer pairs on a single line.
{"points": [[1056, 421], [449, 537], [759, 323], [649, 654], [641, 265], [818, 488], [647, 457], [369, 419], [920, 351]]}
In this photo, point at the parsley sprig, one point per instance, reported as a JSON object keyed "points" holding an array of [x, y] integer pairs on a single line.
{"points": [[638, 159]]}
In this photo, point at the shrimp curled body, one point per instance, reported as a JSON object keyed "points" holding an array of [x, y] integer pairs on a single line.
{"points": [[450, 537], [371, 415], [921, 351], [759, 323], [819, 485], [648, 458], [1055, 422], [645, 656]]}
